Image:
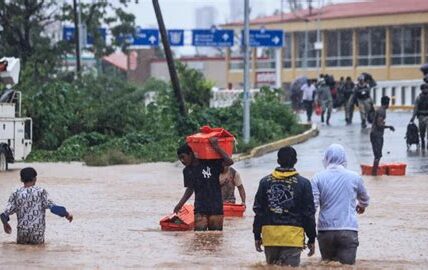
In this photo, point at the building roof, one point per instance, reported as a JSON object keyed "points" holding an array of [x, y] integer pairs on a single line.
{"points": [[202, 59], [346, 10], [120, 60]]}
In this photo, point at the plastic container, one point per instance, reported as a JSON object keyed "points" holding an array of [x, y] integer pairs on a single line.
{"points": [[318, 110], [201, 146], [367, 169], [233, 210], [182, 221], [397, 169]]}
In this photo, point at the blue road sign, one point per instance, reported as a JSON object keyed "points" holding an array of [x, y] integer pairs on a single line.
{"points": [[143, 37], [266, 38], [69, 32], [146, 37], [90, 39], [212, 38], [176, 37]]}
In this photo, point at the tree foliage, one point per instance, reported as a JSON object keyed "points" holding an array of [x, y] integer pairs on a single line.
{"points": [[28, 24]]}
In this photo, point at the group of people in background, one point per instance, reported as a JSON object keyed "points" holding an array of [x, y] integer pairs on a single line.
{"points": [[325, 94]]}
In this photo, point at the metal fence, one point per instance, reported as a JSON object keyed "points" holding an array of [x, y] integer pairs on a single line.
{"points": [[402, 93]]}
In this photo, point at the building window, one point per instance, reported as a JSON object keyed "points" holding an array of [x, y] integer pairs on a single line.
{"points": [[286, 52], [339, 48], [371, 47], [406, 45], [311, 57]]}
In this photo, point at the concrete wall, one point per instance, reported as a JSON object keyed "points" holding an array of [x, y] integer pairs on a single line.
{"points": [[142, 71], [213, 69]]}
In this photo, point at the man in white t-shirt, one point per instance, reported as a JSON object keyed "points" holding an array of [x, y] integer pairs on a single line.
{"points": [[308, 90]]}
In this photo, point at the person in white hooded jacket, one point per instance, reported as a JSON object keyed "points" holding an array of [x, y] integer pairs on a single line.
{"points": [[340, 194]]}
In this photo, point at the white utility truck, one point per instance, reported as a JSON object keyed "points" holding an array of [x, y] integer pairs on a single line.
{"points": [[16, 132]]}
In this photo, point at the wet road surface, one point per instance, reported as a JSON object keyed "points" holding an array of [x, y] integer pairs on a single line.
{"points": [[117, 211]]}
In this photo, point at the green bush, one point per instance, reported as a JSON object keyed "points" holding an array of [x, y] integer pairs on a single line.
{"points": [[103, 121], [110, 157]]}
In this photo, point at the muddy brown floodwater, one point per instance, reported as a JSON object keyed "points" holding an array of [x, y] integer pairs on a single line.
{"points": [[117, 211]]}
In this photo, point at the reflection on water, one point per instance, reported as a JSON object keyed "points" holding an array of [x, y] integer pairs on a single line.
{"points": [[205, 243]]}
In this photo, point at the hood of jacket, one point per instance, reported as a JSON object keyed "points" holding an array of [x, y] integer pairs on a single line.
{"points": [[334, 156]]}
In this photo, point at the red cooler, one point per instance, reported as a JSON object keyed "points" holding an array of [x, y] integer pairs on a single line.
{"points": [[201, 146]]}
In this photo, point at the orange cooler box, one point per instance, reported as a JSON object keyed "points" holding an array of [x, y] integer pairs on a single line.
{"points": [[201, 146], [183, 221], [233, 210], [397, 169], [367, 169]]}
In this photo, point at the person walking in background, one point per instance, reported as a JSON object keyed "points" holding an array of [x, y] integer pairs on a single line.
{"points": [[365, 103], [421, 112], [349, 103], [339, 194], [308, 90], [284, 212], [376, 133], [324, 99], [229, 179]]}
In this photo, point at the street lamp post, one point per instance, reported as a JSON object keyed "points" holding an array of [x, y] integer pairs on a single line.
{"points": [[77, 34], [246, 45]]}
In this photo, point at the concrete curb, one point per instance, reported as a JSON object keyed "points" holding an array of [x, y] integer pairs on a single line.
{"points": [[401, 107], [270, 147]]}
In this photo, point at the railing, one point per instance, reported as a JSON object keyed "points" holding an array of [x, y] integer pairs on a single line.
{"points": [[222, 98], [402, 93]]}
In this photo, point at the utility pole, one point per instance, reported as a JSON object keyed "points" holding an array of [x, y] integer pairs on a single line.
{"points": [[319, 37], [246, 47], [170, 60], [77, 36]]}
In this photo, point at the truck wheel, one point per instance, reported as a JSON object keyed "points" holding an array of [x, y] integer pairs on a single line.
{"points": [[3, 161]]}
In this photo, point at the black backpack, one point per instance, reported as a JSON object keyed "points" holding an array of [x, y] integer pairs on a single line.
{"points": [[412, 134]]}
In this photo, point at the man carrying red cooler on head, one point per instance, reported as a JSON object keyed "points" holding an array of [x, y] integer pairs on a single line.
{"points": [[202, 177]]}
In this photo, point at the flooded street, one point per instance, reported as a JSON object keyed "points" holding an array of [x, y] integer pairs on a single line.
{"points": [[117, 211]]}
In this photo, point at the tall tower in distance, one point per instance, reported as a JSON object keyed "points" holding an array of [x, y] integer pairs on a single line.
{"points": [[206, 17], [236, 10]]}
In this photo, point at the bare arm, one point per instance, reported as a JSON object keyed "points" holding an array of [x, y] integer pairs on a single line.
{"points": [[242, 193], [10, 209], [227, 161], [186, 196]]}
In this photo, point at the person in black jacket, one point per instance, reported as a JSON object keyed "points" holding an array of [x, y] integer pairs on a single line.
{"points": [[284, 211]]}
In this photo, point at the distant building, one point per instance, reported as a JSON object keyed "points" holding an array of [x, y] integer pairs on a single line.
{"points": [[236, 10], [134, 67], [387, 38], [213, 68], [206, 17]]}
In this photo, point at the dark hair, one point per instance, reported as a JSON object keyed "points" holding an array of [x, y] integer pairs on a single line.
{"points": [[384, 100], [287, 157], [28, 174], [184, 149], [424, 86]]}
